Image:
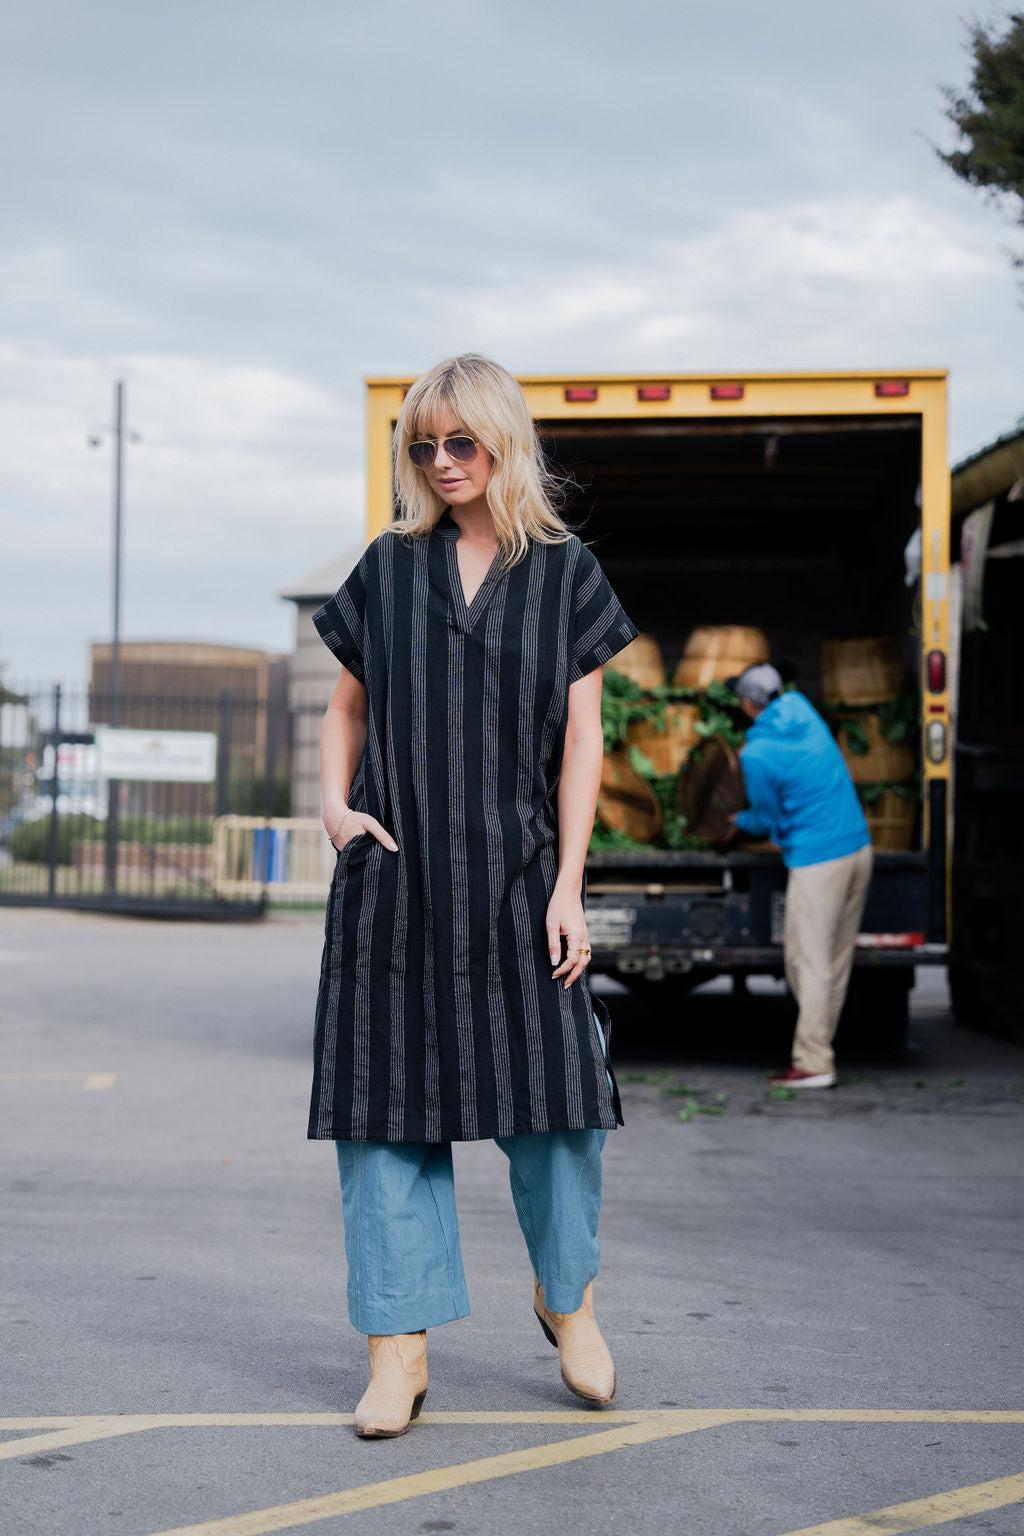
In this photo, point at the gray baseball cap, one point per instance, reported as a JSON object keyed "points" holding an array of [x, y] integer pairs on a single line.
{"points": [[760, 684]]}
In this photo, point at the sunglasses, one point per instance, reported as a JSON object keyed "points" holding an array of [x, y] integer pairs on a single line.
{"points": [[461, 449]]}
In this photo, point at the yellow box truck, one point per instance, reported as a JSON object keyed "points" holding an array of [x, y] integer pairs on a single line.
{"points": [[789, 501]]}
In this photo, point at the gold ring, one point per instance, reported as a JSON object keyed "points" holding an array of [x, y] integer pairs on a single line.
{"points": [[584, 949]]}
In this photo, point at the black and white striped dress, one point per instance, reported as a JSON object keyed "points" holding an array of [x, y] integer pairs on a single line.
{"points": [[437, 1018]]}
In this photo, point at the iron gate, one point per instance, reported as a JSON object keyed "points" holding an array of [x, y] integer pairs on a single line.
{"points": [[70, 836]]}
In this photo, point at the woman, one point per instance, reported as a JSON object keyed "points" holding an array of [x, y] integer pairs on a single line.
{"points": [[460, 764]]}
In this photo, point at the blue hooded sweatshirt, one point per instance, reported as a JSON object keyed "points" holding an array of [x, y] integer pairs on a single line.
{"points": [[800, 791]]}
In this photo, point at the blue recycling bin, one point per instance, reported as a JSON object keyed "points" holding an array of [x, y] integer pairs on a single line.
{"points": [[270, 854]]}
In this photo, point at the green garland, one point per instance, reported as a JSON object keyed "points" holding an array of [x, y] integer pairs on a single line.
{"points": [[673, 823], [624, 703], [899, 719], [906, 789]]}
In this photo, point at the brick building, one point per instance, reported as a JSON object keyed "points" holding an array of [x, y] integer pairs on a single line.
{"points": [[177, 685]]}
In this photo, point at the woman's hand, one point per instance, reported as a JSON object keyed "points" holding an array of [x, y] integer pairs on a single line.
{"points": [[578, 785], [352, 823], [342, 740], [565, 916]]}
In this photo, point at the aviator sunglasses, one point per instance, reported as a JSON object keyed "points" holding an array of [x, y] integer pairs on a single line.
{"points": [[460, 448]]}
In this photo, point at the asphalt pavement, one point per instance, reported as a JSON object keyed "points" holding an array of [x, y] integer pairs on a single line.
{"points": [[814, 1302]]}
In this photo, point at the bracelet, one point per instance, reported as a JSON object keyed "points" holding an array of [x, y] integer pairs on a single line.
{"points": [[332, 835]]}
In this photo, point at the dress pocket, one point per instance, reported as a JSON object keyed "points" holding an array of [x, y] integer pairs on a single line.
{"points": [[343, 851]]}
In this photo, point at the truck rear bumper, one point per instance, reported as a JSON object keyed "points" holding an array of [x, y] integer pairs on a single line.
{"points": [[672, 914], [764, 960]]}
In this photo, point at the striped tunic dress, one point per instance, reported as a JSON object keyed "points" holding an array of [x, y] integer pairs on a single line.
{"points": [[436, 1017]]}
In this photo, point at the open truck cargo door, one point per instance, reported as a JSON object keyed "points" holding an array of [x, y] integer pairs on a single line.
{"points": [[779, 504]]}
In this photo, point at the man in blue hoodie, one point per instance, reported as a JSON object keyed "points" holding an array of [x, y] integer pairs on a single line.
{"points": [[801, 795]]}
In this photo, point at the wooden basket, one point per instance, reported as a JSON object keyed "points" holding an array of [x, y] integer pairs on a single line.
{"points": [[626, 802], [666, 740], [891, 822], [860, 671], [710, 789], [884, 762], [641, 660], [717, 652]]}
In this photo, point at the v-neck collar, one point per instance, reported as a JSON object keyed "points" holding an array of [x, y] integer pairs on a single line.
{"points": [[466, 613]]}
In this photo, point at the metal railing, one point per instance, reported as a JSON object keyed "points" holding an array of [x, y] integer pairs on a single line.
{"points": [[285, 859], [72, 834]]}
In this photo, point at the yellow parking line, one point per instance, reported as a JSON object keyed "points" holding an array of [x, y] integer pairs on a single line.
{"points": [[87, 1079], [79, 1429], [658, 1425], [56, 1434], [56, 1439], [632, 1427], [919, 1514], [876, 1415], [136, 1421]]}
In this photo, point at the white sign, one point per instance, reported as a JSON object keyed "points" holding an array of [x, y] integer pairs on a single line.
{"points": [[167, 757]]}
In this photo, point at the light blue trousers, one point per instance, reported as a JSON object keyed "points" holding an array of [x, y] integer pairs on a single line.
{"points": [[402, 1231]]}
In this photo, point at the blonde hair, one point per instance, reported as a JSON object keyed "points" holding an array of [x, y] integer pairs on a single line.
{"points": [[488, 404]]}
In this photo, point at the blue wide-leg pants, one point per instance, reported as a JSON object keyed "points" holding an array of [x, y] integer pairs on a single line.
{"points": [[402, 1231]]}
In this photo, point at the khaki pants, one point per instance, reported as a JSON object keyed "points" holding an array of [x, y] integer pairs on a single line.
{"points": [[824, 906]]}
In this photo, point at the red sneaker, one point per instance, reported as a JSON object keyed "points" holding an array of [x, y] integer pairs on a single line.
{"points": [[792, 1077]]}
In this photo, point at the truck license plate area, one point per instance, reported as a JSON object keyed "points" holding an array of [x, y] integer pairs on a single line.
{"points": [[610, 926], [705, 924]]}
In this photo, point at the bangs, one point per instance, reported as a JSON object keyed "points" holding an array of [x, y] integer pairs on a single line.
{"points": [[442, 401], [474, 396]]}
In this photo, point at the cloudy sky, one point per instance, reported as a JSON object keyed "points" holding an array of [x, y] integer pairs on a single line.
{"points": [[243, 207]]}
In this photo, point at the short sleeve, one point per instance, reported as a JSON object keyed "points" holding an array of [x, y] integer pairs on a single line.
{"points": [[340, 622], [600, 627]]}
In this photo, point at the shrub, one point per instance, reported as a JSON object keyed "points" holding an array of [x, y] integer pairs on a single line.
{"points": [[30, 843]]}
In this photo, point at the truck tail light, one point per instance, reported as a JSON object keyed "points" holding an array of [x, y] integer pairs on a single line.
{"points": [[890, 940], [577, 394], [936, 672], [889, 389], [935, 741], [727, 391], [654, 392]]}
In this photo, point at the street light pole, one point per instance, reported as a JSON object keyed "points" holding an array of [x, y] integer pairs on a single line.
{"points": [[113, 710], [115, 648]]}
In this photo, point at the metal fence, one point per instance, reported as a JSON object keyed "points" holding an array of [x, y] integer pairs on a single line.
{"points": [[72, 834]]}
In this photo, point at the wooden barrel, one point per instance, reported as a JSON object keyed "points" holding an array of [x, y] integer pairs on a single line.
{"points": [[891, 822], [711, 788], [718, 652], [641, 660], [667, 738], [885, 762], [626, 802], [860, 671]]}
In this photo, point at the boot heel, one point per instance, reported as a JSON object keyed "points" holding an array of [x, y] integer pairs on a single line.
{"points": [[417, 1404], [547, 1331]]}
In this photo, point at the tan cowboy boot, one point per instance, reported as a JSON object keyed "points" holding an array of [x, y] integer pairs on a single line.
{"points": [[587, 1367], [398, 1385]]}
